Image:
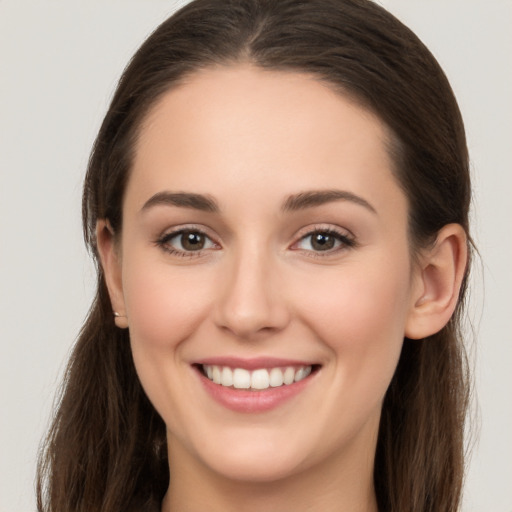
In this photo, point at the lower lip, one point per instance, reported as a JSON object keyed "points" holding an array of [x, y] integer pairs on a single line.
{"points": [[241, 400]]}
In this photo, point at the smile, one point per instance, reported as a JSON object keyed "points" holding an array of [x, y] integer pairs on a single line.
{"points": [[256, 380], [254, 385]]}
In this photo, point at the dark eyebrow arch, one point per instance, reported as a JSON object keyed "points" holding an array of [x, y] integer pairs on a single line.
{"points": [[184, 200], [312, 198]]}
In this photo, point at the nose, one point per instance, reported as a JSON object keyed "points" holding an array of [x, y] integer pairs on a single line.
{"points": [[251, 301]]}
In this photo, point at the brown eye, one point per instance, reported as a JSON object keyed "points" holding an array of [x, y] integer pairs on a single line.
{"points": [[322, 241], [192, 241], [325, 241], [186, 242]]}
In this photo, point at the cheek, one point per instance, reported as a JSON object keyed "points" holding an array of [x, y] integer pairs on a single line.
{"points": [[360, 314], [361, 320], [354, 303], [164, 304]]}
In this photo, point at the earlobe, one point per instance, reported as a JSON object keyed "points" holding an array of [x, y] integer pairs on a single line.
{"points": [[111, 264], [440, 275]]}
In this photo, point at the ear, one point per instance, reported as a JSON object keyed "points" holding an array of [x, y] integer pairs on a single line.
{"points": [[438, 280], [111, 264]]}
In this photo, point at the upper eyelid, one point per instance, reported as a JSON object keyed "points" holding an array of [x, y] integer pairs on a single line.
{"points": [[176, 230], [330, 228]]}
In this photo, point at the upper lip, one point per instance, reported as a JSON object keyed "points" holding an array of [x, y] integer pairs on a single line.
{"points": [[252, 363]]}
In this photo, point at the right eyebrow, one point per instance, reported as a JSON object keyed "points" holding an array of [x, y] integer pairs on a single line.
{"points": [[184, 199]]}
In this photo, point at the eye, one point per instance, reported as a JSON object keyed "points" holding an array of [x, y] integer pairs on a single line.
{"points": [[186, 241], [324, 240]]}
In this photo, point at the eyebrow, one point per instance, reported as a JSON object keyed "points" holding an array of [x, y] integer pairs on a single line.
{"points": [[312, 198], [184, 199], [295, 202]]}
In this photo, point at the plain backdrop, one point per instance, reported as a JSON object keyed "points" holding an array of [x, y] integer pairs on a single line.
{"points": [[59, 63]]}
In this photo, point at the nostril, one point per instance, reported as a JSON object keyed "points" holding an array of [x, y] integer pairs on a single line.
{"points": [[252, 318]]}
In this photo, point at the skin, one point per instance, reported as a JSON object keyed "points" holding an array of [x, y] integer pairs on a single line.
{"points": [[249, 139]]}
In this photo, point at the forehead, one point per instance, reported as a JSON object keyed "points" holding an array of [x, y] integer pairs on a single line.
{"points": [[230, 130]]}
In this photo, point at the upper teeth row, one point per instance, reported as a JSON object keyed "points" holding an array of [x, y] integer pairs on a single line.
{"points": [[240, 378]]}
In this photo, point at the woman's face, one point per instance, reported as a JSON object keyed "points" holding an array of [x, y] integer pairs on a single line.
{"points": [[265, 241]]}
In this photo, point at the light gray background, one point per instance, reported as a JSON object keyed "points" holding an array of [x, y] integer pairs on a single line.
{"points": [[59, 62]]}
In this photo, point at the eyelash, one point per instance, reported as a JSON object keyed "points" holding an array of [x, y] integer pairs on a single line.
{"points": [[163, 242], [345, 242]]}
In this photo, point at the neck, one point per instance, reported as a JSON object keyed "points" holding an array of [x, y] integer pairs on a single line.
{"points": [[330, 488]]}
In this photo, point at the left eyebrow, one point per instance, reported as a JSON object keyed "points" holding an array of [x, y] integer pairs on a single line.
{"points": [[311, 198]]}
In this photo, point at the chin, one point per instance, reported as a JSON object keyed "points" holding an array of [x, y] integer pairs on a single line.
{"points": [[258, 455], [257, 469]]}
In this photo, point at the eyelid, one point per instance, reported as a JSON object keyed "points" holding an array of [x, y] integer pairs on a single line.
{"points": [[168, 234], [345, 236], [325, 227]]}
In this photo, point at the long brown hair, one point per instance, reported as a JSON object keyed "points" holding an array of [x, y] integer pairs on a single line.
{"points": [[106, 448]]}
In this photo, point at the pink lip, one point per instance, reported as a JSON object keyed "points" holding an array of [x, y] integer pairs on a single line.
{"points": [[244, 401], [253, 363]]}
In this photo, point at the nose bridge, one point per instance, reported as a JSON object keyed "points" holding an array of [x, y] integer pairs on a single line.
{"points": [[250, 300]]}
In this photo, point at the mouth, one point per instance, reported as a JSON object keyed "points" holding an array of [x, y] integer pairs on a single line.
{"points": [[254, 386], [258, 379]]}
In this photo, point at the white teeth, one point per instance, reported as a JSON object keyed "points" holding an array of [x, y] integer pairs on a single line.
{"points": [[258, 379], [241, 378], [216, 375], [289, 375], [226, 377], [276, 377], [302, 373]]}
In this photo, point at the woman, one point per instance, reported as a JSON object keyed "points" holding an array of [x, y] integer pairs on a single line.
{"points": [[278, 203]]}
